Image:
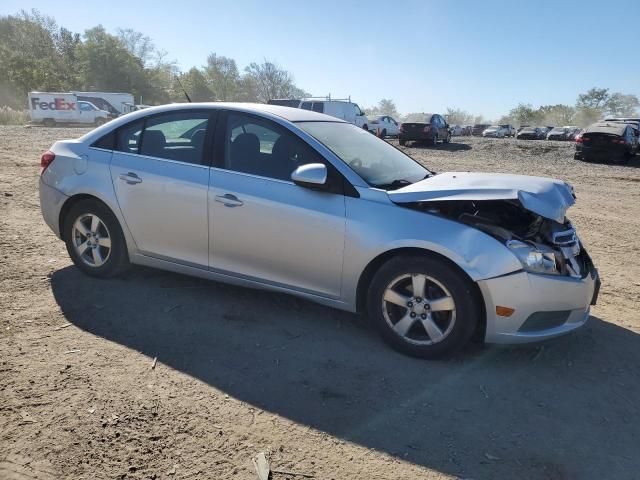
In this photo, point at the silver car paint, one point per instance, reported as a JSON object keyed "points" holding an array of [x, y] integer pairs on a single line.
{"points": [[321, 265], [547, 197]]}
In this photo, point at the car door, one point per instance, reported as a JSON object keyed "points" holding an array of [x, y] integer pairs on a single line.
{"points": [[86, 114], [443, 129], [161, 181], [393, 129], [264, 227]]}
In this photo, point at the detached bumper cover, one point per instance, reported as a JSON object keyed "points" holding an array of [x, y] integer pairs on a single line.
{"points": [[51, 201], [546, 306]]}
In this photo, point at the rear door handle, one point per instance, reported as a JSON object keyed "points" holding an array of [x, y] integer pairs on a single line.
{"points": [[229, 200], [131, 178]]}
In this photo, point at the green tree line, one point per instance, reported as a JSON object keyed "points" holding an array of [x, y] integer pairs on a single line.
{"points": [[38, 54]]}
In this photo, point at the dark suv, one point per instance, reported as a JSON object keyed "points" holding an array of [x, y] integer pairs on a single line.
{"points": [[433, 129]]}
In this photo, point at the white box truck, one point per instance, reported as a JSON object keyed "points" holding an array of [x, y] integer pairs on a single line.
{"points": [[114, 103], [51, 108]]}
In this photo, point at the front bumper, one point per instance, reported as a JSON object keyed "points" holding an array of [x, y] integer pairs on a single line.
{"points": [[51, 201], [545, 306]]}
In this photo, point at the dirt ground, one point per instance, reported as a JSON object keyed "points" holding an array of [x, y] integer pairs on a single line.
{"points": [[241, 371]]}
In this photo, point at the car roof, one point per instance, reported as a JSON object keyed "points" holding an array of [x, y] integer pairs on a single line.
{"points": [[275, 111]]}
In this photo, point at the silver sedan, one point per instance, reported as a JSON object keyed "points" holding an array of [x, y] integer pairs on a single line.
{"points": [[299, 202]]}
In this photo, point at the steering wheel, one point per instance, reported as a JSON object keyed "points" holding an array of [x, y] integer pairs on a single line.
{"points": [[356, 163]]}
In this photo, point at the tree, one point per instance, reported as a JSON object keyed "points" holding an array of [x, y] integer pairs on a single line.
{"points": [[196, 85], [595, 98], [385, 106], [137, 43], [455, 116], [524, 114], [622, 105], [269, 81], [223, 77]]}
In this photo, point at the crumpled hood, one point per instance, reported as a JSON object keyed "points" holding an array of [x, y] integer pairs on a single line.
{"points": [[547, 197]]}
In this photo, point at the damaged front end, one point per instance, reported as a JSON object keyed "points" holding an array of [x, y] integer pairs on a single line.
{"points": [[541, 244]]}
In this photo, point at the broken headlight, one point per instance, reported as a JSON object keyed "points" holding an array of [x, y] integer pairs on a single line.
{"points": [[534, 258]]}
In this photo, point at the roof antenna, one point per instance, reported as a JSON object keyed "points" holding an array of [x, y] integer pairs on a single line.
{"points": [[183, 90]]}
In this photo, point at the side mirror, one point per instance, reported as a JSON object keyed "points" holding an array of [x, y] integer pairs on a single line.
{"points": [[311, 175]]}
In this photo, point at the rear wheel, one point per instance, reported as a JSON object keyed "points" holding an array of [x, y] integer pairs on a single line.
{"points": [[423, 306], [384, 133], [94, 239], [100, 121], [447, 138]]}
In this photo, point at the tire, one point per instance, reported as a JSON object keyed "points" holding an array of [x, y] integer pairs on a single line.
{"points": [[100, 121], [384, 133], [455, 322], [434, 140], [402, 142], [49, 122], [447, 138], [114, 257]]}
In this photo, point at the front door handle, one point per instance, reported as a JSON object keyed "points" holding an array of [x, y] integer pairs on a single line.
{"points": [[229, 200], [131, 178]]}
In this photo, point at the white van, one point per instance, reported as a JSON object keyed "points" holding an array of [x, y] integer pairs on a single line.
{"points": [[343, 109], [50, 108], [112, 102]]}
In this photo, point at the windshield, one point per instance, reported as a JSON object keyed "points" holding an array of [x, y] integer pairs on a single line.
{"points": [[378, 163]]}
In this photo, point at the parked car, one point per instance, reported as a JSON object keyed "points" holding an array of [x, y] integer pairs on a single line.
{"points": [[614, 142], [576, 133], [495, 131], [456, 130], [521, 127], [384, 126], [51, 109], [433, 129], [303, 203], [563, 133], [532, 133], [343, 109], [467, 130], [510, 130], [479, 128]]}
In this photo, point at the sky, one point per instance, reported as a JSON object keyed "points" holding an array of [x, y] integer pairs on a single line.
{"points": [[484, 57]]}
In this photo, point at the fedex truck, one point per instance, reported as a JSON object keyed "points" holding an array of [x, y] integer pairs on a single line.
{"points": [[50, 108], [115, 103]]}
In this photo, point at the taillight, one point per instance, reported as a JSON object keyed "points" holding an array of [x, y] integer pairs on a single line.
{"points": [[619, 141], [401, 127], [579, 139], [46, 159], [427, 129]]}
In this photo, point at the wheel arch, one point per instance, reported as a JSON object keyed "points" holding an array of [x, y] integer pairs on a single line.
{"points": [[374, 265], [75, 199]]}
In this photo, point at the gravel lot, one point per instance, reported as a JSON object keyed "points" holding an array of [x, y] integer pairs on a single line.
{"points": [[241, 371]]}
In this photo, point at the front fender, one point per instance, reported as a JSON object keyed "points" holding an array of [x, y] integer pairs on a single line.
{"points": [[375, 227]]}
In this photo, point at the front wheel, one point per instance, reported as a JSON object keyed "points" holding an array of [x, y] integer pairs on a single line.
{"points": [[423, 306], [94, 239], [402, 142]]}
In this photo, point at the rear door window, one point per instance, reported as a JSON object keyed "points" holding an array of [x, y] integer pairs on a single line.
{"points": [[318, 107], [176, 136]]}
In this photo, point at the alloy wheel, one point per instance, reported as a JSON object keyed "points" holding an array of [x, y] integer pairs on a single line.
{"points": [[419, 309], [91, 240]]}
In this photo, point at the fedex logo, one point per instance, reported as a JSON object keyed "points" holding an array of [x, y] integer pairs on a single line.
{"points": [[57, 104]]}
